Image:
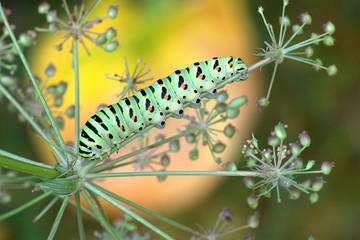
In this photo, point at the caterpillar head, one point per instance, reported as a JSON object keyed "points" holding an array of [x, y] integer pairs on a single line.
{"points": [[240, 67]]}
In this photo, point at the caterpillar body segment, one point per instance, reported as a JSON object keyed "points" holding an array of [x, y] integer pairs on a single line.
{"points": [[116, 122]]}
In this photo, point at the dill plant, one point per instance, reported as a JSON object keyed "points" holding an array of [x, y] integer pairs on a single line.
{"points": [[269, 169]]}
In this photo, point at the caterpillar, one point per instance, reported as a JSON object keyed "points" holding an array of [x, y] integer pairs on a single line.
{"points": [[116, 122]]}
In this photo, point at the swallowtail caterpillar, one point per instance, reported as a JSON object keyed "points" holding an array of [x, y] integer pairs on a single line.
{"points": [[116, 122]]}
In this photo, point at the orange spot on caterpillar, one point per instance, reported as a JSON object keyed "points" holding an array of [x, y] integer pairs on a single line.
{"points": [[108, 135], [94, 118], [201, 76], [114, 114], [100, 123], [178, 74], [217, 68], [166, 97], [230, 64], [182, 85], [133, 117], [121, 127], [87, 139], [144, 96], [150, 108], [196, 65], [95, 146]]}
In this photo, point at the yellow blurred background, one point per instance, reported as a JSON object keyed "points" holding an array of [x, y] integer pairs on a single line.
{"points": [[168, 35]]}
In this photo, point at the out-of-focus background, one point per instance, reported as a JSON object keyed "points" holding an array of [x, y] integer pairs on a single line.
{"points": [[173, 34]]}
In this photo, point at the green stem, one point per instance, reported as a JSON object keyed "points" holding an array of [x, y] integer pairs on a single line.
{"points": [[272, 81], [36, 87], [24, 206], [260, 64], [77, 96], [58, 218], [127, 211], [174, 173], [145, 210], [79, 217], [25, 165], [46, 208]]}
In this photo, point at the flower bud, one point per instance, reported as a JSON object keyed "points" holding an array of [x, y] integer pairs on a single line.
{"points": [[229, 131], [9, 82], [165, 160], [329, 41], [285, 21], [50, 70], [190, 138], [314, 197], [219, 147], [221, 107], [110, 33], [26, 39], [329, 28], [326, 167], [299, 164], [174, 146], [59, 122], [309, 164], [253, 220], [249, 182], [309, 52], [318, 64], [101, 39], [232, 112], [194, 154], [231, 166], [161, 178], [273, 141], [306, 183], [226, 215], [222, 97], [61, 88], [317, 185], [58, 101], [111, 46], [252, 201], [112, 11], [51, 16], [217, 160], [295, 148], [238, 102], [159, 138], [70, 112], [297, 27], [332, 70], [305, 18], [313, 36], [53, 27], [251, 163], [262, 102], [304, 139], [280, 131], [43, 8], [294, 193]]}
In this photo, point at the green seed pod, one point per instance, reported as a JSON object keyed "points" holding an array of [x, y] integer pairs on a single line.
{"points": [[252, 201], [295, 148], [61, 88], [232, 112], [70, 112], [174, 146], [58, 101], [111, 46], [194, 154], [217, 160], [251, 163], [297, 27], [309, 52], [60, 122], [50, 70], [306, 183], [26, 40], [160, 178], [222, 97], [101, 39], [249, 182], [9, 82], [51, 16], [305, 18], [318, 64], [229, 131], [165, 160], [231, 166], [329, 41], [326, 167], [112, 11], [317, 185], [294, 193], [159, 138], [238, 102], [53, 27], [262, 102], [221, 107], [43, 8], [332, 70], [273, 141], [110, 33], [219, 147], [314, 197], [226, 215], [309, 164], [304, 139], [280, 131], [253, 220], [190, 138], [329, 28]]}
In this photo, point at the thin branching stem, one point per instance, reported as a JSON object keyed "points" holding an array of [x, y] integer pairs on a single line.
{"points": [[58, 218]]}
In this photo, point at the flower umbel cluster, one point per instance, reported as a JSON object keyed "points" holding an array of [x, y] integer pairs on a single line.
{"points": [[280, 48], [78, 27], [280, 166]]}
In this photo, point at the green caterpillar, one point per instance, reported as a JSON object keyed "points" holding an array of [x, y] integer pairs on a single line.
{"points": [[116, 122]]}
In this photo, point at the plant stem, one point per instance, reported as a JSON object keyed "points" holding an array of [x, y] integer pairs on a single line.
{"points": [[36, 87], [174, 173], [77, 96], [58, 218]]}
